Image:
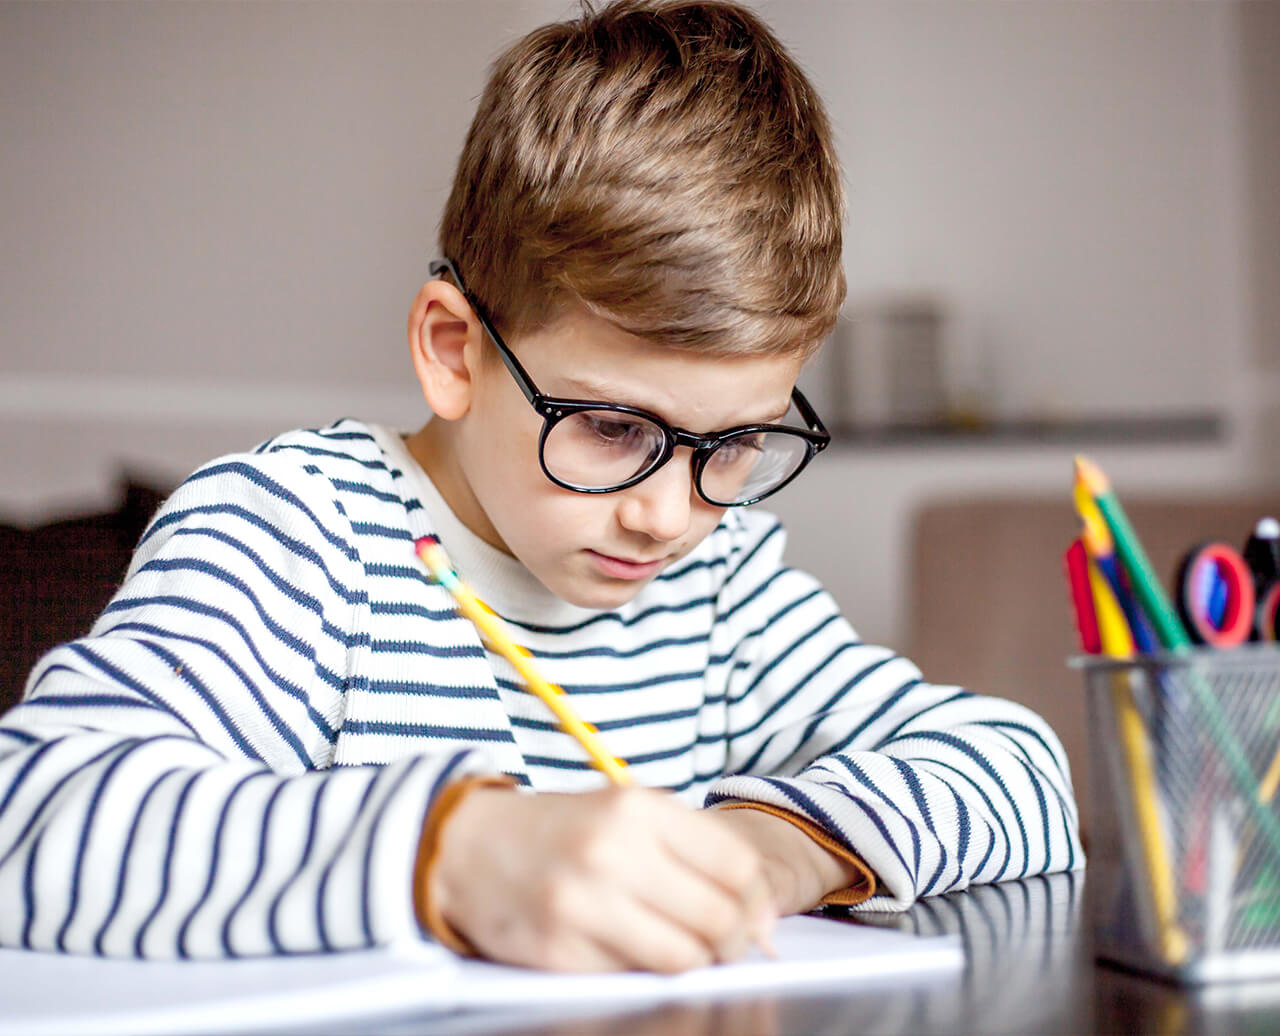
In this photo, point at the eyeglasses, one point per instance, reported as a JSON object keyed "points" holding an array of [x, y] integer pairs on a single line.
{"points": [[594, 447]]}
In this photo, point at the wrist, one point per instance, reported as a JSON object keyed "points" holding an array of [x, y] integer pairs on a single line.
{"points": [[456, 819], [805, 865]]}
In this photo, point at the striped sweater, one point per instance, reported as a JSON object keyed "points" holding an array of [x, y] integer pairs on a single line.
{"points": [[239, 757]]}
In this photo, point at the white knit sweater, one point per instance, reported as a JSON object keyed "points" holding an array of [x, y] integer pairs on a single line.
{"points": [[239, 757]]}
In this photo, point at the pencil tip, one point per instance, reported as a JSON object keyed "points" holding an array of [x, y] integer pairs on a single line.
{"points": [[1091, 475]]}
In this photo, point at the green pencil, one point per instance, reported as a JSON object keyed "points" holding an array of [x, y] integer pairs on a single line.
{"points": [[1168, 627]]}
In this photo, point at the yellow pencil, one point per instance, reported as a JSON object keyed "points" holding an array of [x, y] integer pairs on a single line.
{"points": [[1118, 643], [432, 555], [437, 562]]}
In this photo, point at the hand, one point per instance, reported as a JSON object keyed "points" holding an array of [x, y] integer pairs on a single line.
{"points": [[798, 870], [624, 878]]}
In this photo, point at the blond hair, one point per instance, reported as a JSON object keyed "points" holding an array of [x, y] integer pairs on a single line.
{"points": [[667, 165]]}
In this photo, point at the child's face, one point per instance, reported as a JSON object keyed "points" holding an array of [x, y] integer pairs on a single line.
{"points": [[599, 550]]}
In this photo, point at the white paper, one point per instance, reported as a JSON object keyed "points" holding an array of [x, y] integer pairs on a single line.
{"points": [[50, 993]]}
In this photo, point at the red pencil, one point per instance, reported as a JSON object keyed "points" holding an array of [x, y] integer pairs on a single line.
{"points": [[1075, 563]]}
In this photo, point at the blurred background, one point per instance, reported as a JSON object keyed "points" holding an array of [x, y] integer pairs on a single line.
{"points": [[1063, 234]]}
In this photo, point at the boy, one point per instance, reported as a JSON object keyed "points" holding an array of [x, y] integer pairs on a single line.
{"points": [[280, 736]]}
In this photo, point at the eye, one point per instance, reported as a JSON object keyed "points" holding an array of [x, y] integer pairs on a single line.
{"points": [[740, 450], [614, 431]]}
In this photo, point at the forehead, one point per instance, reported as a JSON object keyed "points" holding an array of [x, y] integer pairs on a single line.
{"points": [[581, 356]]}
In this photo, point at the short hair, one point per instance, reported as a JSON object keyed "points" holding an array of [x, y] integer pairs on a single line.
{"points": [[667, 165]]}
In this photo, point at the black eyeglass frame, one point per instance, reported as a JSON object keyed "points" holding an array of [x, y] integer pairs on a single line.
{"points": [[553, 410]]}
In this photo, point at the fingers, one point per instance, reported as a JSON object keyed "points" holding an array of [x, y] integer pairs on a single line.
{"points": [[707, 845]]}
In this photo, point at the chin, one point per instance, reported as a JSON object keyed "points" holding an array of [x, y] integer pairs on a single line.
{"points": [[601, 596]]}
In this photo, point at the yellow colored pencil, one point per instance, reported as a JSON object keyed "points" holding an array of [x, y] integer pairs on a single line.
{"points": [[1118, 643], [493, 630]]}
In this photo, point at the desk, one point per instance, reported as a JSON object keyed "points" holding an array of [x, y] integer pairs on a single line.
{"points": [[1029, 970]]}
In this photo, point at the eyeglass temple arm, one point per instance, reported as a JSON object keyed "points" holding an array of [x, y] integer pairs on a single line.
{"points": [[809, 414], [530, 390]]}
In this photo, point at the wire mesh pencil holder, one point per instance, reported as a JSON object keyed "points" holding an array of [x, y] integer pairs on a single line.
{"points": [[1184, 869]]}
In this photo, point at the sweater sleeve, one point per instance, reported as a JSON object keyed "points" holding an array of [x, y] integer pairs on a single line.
{"points": [[935, 787], [164, 786]]}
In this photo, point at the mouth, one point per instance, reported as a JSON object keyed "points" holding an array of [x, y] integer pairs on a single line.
{"points": [[625, 568]]}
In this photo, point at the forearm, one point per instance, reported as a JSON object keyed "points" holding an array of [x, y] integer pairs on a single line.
{"points": [[158, 847]]}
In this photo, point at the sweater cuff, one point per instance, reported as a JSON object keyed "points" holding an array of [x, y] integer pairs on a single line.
{"points": [[863, 887], [428, 910]]}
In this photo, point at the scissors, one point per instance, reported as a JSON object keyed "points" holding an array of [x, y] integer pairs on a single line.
{"points": [[1225, 597], [1262, 553]]}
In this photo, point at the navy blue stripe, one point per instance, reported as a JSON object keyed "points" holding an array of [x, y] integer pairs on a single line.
{"points": [[788, 651], [123, 871], [19, 735], [221, 575], [861, 776], [419, 647], [291, 545], [366, 885], [740, 563], [615, 618], [415, 610], [273, 914], [607, 651], [387, 532], [1041, 780], [91, 813], [184, 604], [215, 858], [964, 828], [82, 650], [315, 451], [24, 770], [889, 702], [578, 689], [76, 701], [277, 723], [958, 696], [260, 866], [167, 865], [824, 713], [440, 731], [916, 788], [753, 761], [753, 595], [1002, 724], [421, 687], [253, 474], [1003, 838], [605, 725], [29, 890], [50, 795], [962, 746], [364, 489], [340, 844]]}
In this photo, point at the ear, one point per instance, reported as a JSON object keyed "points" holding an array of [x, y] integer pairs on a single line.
{"points": [[444, 343]]}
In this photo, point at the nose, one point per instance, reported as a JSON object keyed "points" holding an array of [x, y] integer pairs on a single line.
{"points": [[661, 506]]}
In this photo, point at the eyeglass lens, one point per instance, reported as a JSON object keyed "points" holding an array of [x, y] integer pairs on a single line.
{"points": [[603, 449]]}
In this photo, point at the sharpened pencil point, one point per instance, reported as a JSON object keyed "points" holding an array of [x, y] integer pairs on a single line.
{"points": [[1092, 475]]}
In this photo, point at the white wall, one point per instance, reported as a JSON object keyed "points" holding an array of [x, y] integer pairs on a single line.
{"points": [[216, 216]]}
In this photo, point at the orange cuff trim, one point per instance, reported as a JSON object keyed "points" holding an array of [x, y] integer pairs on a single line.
{"points": [[425, 906], [863, 887]]}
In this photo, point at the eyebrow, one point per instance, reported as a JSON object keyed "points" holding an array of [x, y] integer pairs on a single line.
{"points": [[602, 392]]}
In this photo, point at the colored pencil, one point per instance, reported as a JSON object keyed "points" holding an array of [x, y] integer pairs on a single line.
{"points": [[1075, 563], [1174, 638], [492, 628], [1161, 884]]}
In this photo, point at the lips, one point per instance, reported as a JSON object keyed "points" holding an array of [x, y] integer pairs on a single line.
{"points": [[625, 568]]}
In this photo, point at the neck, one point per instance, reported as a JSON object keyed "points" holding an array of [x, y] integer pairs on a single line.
{"points": [[435, 447]]}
